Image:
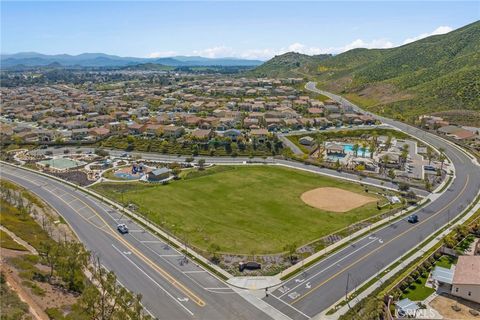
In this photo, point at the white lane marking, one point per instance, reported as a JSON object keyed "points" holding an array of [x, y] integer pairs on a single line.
{"points": [[308, 285], [300, 312], [150, 241], [171, 255], [332, 265], [151, 279], [195, 271]]}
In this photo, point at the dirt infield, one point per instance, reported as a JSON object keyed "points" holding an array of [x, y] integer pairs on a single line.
{"points": [[335, 199]]}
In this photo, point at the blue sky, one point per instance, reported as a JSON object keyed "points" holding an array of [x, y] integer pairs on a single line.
{"points": [[217, 29]]}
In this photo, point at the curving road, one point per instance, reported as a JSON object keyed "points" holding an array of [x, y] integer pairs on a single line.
{"points": [[175, 290], [142, 262], [323, 284]]}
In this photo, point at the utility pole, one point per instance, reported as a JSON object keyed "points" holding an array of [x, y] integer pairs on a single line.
{"points": [[346, 288]]}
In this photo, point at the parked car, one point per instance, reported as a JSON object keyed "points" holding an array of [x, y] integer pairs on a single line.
{"points": [[413, 218], [122, 228], [251, 265]]}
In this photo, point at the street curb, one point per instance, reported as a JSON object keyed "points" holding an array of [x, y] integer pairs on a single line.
{"points": [[133, 215], [398, 268]]}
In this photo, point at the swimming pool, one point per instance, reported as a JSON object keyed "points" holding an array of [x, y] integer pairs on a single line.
{"points": [[348, 148]]}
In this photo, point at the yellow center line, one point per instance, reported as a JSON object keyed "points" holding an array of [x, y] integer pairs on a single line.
{"points": [[149, 262], [380, 247]]}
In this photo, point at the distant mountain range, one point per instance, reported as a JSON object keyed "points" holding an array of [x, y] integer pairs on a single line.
{"points": [[434, 74], [33, 59]]}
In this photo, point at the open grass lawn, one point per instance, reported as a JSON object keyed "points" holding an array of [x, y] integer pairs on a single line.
{"points": [[8, 243], [418, 291], [243, 209], [446, 261]]}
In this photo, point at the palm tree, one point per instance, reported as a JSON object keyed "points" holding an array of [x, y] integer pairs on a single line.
{"points": [[364, 149], [429, 155], [403, 156], [385, 160], [375, 138], [372, 149], [319, 141], [442, 160], [355, 148], [388, 143]]}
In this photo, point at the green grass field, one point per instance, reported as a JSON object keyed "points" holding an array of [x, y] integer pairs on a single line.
{"points": [[8, 243], [254, 209], [22, 225]]}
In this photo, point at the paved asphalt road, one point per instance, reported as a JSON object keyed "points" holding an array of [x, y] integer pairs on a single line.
{"points": [[143, 263], [235, 160], [323, 284], [136, 257]]}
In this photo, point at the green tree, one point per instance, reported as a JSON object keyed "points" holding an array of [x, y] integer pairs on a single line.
{"points": [[73, 258], [391, 174], [429, 154], [355, 148], [105, 299], [50, 252], [201, 164], [291, 248]]}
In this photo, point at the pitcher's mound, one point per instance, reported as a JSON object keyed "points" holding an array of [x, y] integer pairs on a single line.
{"points": [[335, 199]]}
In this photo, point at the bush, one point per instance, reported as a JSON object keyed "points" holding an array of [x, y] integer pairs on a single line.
{"points": [[427, 265], [54, 313], [415, 274]]}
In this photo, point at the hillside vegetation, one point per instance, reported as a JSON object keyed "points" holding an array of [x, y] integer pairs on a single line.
{"points": [[291, 64], [434, 74]]}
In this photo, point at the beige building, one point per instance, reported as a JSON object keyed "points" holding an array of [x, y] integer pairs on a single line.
{"points": [[466, 280]]}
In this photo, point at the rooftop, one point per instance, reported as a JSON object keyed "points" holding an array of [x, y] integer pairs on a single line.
{"points": [[467, 270]]}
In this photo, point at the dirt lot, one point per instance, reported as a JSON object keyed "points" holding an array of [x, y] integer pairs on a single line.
{"points": [[443, 304], [334, 199]]}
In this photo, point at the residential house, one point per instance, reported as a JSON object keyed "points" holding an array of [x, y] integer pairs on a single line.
{"points": [[466, 279], [233, 134], [259, 135], [172, 131]]}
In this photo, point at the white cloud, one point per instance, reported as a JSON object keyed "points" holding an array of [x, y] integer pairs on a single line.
{"points": [[359, 43], [439, 30], [222, 51], [215, 52], [162, 54]]}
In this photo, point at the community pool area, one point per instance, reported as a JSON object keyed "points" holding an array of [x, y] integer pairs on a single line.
{"points": [[362, 152], [62, 163]]}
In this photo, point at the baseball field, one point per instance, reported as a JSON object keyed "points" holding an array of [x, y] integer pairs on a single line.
{"points": [[249, 209]]}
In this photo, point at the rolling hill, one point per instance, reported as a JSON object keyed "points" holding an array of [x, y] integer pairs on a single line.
{"points": [[33, 59], [434, 74], [288, 64]]}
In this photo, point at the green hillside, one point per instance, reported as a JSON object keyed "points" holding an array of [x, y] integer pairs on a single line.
{"points": [[290, 64], [438, 73]]}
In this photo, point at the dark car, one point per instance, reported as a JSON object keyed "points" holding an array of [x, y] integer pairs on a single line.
{"points": [[413, 218], [122, 228], [251, 265]]}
